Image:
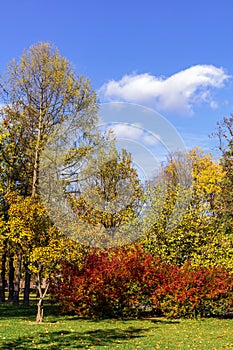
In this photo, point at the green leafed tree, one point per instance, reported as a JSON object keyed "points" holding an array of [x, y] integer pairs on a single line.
{"points": [[107, 196], [225, 201], [38, 92]]}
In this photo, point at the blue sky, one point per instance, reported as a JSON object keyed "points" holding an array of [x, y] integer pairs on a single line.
{"points": [[175, 57]]}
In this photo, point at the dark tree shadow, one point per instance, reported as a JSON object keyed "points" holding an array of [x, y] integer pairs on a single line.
{"points": [[75, 340], [7, 311], [163, 321]]}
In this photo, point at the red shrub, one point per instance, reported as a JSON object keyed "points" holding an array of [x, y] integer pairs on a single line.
{"points": [[126, 281], [190, 292]]}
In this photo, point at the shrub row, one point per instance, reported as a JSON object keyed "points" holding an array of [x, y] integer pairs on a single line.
{"points": [[130, 282]]}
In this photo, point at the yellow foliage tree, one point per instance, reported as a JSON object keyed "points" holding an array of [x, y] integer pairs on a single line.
{"points": [[42, 245], [188, 233]]}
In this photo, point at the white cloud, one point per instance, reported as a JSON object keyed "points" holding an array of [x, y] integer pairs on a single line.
{"points": [[179, 92], [213, 104], [135, 133]]}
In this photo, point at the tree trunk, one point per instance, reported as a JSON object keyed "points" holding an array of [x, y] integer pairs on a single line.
{"points": [[11, 279], [3, 278], [40, 311], [35, 177], [17, 280], [27, 286], [40, 304]]}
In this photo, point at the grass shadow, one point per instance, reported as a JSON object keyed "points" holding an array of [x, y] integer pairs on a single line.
{"points": [[163, 321], [7, 310], [64, 339]]}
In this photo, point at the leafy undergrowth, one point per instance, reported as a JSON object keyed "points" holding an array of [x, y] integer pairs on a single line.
{"points": [[18, 331]]}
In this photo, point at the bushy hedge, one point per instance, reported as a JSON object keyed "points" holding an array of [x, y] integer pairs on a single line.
{"points": [[130, 282]]}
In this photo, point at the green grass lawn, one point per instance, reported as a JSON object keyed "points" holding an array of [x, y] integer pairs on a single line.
{"points": [[18, 331]]}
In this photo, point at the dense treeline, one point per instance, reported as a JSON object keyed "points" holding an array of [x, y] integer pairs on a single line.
{"points": [[185, 215]]}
